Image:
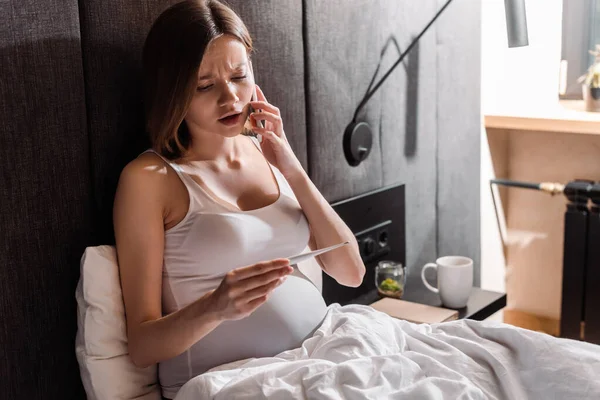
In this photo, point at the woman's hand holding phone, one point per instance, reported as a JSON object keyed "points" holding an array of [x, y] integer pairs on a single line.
{"points": [[258, 123], [274, 145], [244, 289]]}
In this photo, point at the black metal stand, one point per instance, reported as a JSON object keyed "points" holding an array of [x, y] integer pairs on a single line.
{"points": [[592, 279], [580, 304], [574, 260], [581, 263]]}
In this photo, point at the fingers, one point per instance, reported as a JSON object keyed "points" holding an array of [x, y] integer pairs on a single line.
{"points": [[262, 290], [266, 133], [263, 105], [262, 279], [274, 126], [268, 116], [259, 94], [239, 274], [243, 292], [257, 302], [267, 111]]}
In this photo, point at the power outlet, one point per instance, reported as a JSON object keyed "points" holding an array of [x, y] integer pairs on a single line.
{"points": [[374, 242], [377, 220]]}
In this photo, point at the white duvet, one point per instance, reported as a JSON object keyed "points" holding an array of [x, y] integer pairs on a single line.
{"points": [[360, 353]]}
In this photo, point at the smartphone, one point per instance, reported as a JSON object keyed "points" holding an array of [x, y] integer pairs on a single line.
{"points": [[254, 97], [248, 125]]}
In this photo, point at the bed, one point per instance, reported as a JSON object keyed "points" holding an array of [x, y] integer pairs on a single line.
{"points": [[360, 353]]}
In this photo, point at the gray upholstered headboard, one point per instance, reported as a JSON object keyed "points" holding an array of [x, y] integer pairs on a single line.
{"points": [[71, 118]]}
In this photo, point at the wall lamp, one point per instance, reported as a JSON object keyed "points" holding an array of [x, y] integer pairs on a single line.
{"points": [[358, 136]]}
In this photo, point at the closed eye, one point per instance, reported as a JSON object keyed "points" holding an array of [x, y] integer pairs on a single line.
{"points": [[205, 88]]}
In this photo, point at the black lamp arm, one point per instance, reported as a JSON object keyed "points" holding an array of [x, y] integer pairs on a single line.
{"points": [[402, 56]]}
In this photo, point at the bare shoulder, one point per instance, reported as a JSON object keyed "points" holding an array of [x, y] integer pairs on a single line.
{"points": [[147, 166], [148, 172], [144, 178]]}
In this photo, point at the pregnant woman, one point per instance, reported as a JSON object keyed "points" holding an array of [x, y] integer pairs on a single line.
{"points": [[204, 220]]}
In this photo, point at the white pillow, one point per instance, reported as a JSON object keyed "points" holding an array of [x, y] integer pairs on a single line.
{"points": [[106, 369]]}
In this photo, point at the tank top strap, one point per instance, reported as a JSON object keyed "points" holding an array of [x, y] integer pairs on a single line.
{"points": [[256, 142], [187, 180]]}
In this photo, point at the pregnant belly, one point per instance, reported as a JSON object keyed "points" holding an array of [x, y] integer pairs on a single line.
{"points": [[291, 314]]}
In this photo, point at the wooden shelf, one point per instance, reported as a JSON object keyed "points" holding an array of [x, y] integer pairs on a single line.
{"points": [[482, 303], [569, 116]]}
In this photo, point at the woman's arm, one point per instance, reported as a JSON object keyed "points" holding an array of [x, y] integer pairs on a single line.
{"points": [[327, 228], [139, 231], [344, 264]]}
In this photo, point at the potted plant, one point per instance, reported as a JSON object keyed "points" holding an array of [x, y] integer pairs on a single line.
{"points": [[591, 83]]}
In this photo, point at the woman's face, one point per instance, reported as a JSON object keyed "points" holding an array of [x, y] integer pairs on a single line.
{"points": [[225, 87]]}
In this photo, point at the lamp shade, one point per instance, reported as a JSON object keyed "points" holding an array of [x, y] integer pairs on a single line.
{"points": [[516, 23]]}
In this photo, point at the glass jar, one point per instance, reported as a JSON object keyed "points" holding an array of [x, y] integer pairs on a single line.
{"points": [[390, 278]]}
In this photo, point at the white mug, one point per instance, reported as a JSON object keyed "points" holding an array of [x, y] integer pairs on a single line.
{"points": [[455, 280]]}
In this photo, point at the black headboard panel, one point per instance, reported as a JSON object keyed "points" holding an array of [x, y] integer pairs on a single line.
{"points": [[377, 220], [44, 197]]}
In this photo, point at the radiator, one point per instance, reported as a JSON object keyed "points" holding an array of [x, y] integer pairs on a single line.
{"points": [[580, 304]]}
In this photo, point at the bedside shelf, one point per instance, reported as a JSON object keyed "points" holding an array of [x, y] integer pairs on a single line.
{"points": [[482, 303], [568, 116]]}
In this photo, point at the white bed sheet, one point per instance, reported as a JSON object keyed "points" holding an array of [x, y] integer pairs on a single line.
{"points": [[360, 353]]}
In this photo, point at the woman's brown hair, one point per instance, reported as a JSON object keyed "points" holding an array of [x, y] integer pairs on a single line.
{"points": [[172, 54]]}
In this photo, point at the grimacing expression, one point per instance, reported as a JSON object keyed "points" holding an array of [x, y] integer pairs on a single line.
{"points": [[225, 86]]}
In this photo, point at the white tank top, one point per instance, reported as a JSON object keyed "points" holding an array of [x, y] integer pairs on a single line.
{"points": [[211, 240]]}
